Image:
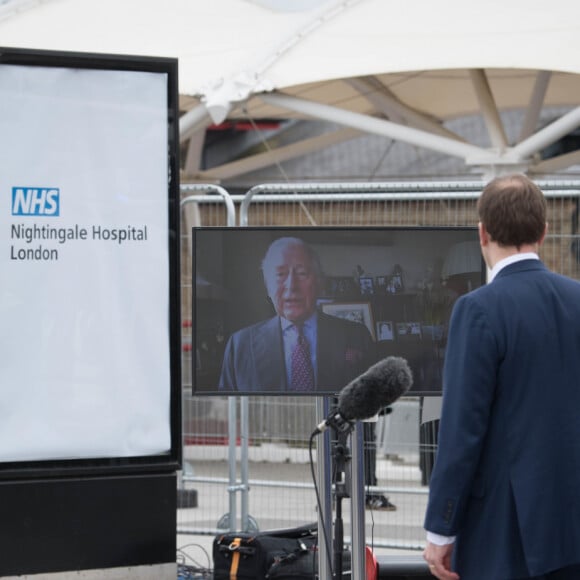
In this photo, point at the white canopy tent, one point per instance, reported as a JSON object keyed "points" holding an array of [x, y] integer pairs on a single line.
{"points": [[395, 69]]}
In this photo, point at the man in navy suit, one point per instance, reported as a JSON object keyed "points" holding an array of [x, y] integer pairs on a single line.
{"points": [[504, 499]]}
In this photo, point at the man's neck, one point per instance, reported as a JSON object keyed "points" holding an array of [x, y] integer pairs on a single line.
{"points": [[495, 253]]}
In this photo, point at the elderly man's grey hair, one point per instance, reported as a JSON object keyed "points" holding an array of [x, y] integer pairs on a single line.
{"points": [[281, 243]]}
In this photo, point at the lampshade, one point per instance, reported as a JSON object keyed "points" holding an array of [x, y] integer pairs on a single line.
{"points": [[462, 258]]}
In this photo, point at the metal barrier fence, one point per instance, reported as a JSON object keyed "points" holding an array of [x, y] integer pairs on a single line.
{"points": [[281, 490]]}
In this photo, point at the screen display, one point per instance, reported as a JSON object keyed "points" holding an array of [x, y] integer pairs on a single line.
{"points": [[89, 265], [304, 310]]}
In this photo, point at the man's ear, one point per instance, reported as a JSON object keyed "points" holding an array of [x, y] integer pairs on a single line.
{"points": [[541, 240], [483, 235]]}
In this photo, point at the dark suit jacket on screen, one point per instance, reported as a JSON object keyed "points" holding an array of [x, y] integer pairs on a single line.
{"points": [[507, 475], [254, 356]]}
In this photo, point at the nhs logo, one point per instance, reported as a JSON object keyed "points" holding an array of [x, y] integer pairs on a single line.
{"points": [[37, 201]]}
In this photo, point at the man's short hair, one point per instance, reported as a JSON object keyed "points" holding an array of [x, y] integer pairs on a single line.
{"points": [[513, 210]]}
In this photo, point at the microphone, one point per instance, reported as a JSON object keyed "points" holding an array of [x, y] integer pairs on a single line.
{"points": [[378, 387]]}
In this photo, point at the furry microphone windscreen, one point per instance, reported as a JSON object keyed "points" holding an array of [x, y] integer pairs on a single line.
{"points": [[380, 386]]}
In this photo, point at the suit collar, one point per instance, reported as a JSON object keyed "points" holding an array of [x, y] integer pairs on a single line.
{"points": [[521, 266], [511, 260], [270, 360]]}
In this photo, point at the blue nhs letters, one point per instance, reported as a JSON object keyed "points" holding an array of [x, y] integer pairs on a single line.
{"points": [[37, 201]]}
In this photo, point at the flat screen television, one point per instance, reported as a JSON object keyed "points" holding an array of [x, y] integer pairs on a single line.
{"points": [[366, 293]]}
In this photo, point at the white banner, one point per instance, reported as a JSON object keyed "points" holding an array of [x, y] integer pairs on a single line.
{"points": [[84, 264]]}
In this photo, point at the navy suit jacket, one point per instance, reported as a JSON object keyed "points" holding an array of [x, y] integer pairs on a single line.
{"points": [[254, 356], [506, 479]]}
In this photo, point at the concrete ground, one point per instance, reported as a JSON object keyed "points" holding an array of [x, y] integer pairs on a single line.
{"points": [[282, 496]]}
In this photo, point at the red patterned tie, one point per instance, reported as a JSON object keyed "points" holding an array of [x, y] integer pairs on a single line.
{"points": [[302, 376]]}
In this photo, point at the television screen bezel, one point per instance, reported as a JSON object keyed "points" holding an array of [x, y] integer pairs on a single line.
{"points": [[296, 230]]}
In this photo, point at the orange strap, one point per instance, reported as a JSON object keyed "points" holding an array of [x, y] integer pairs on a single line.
{"points": [[235, 558]]}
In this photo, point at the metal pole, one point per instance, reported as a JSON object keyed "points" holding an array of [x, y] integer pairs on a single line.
{"points": [[377, 191], [372, 125], [548, 135], [245, 435], [358, 503], [232, 462], [230, 207], [323, 475]]}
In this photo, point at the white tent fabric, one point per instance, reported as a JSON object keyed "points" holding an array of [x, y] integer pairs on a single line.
{"points": [[397, 69]]}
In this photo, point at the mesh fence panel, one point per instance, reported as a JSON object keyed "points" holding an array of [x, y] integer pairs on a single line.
{"points": [[281, 492]]}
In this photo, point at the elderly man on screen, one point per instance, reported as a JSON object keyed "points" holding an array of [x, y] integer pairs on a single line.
{"points": [[300, 349]]}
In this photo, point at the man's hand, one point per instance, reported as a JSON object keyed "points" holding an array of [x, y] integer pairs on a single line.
{"points": [[439, 560]]}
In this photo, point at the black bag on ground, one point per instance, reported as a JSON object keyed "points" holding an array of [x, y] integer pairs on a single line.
{"points": [[273, 555]]}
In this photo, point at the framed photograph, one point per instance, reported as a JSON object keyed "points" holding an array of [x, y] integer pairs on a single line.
{"points": [[385, 330], [355, 311], [381, 283], [342, 287], [409, 330], [366, 285], [394, 284]]}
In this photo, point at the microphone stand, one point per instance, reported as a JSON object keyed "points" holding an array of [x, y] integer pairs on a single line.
{"points": [[341, 456]]}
